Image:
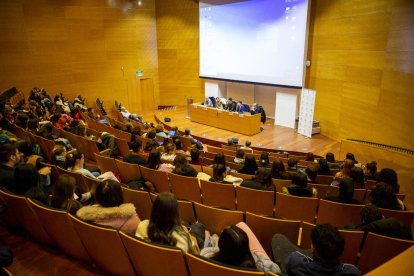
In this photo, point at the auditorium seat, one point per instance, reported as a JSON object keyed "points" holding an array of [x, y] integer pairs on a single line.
{"points": [[141, 201], [255, 201], [199, 266], [264, 228], [25, 216], [123, 147], [208, 170], [379, 249], [338, 214], [359, 194], [56, 222], [280, 183], [216, 219], [353, 240], [185, 187], [296, 207], [106, 164], [218, 194], [154, 259], [128, 171], [104, 247], [158, 178], [322, 189], [404, 216], [242, 175], [324, 179], [80, 182]]}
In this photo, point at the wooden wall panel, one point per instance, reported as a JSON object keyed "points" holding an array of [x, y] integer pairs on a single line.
{"points": [[178, 50], [362, 54], [77, 47]]}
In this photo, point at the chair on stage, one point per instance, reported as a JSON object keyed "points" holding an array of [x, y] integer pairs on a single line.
{"points": [[185, 187], [104, 247], [140, 199], [128, 171], [199, 266], [255, 201], [296, 207], [153, 258], [379, 249], [216, 219], [264, 228], [158, 178], [56, 222], [218, 194], [338, 214]]}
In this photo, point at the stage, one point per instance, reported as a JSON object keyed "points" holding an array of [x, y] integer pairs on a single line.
{"points": [[272, 137]]}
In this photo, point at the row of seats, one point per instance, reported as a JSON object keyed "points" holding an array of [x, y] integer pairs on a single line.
{"points": [[122, 254], [240, 198]]}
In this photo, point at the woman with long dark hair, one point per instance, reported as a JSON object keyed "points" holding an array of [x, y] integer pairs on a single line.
{"points": [[164, 225], [249, 166]]}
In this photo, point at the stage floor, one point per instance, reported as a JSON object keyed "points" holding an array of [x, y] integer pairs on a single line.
{"points": [[272, 137]]}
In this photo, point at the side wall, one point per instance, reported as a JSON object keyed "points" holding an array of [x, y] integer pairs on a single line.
{"points": [[92, 48], [362, 54], [178, 51]]}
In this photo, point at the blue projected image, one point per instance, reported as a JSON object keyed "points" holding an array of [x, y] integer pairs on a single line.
{"points": [[259, 41]]}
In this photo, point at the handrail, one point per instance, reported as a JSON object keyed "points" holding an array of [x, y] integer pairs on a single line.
{"points": [[394, 148]]}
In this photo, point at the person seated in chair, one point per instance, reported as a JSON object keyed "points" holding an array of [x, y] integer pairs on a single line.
{"points": [[240, 107], [323, 258], [258, 109], [231, 105], [134, 157]]}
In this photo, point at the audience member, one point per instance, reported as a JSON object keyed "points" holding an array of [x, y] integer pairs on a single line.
{"points": [[181, 167], [371, 172], [264, 160], [261, 181], [9, 159], [249, 166], [323, 168], [195, 158], [389, 176], [373, 221], [27, 183], [346, 192], [134, 157], [159, 129], [323, 258], [238, 246], [239, 159], [198, 144], [110, 209], [383, 196], [278, 170], [154, 162], [330, 158], [220, 175], [292, 164], [164, 225], [299, 186], [247, 146], [169, 153], [63, 196], [345, 172], [357, 175]]}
